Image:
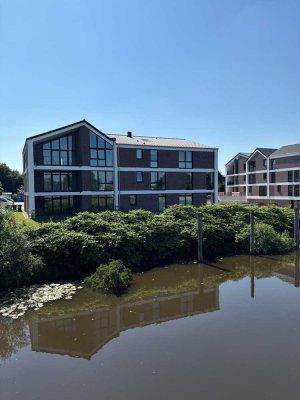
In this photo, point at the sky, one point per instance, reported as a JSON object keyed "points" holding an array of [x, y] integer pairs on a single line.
{"points": [[221, 72]]}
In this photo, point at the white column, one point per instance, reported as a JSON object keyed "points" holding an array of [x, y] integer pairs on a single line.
{"points": [[268, 178], [30, 180], [216, 186], [247, 179], [116, 176]]}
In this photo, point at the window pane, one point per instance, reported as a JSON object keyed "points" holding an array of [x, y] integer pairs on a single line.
{"points": [[64, 182], [161, 202], [132, 200], [93, 140], [181, 164], [139, 176], [188, 199], [55, 158], [47, 157], [46, 146], [47, 182], [94, 163], [188, 165], [182, 199], [56, 205], [102, 203], [56, 182], [70, 142], [94, 180], [93, 153], [139, 154], [64, 143], [101, 154], [108, 146], [110, 203], [55, 144], [181, 156], [64, 205], [101, 143], [188, 156], [47, 205], [153, 164], [109, 158], [63, 158]]}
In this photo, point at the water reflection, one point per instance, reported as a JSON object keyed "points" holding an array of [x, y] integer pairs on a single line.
{"points": [[83, 333], [82, 326]]}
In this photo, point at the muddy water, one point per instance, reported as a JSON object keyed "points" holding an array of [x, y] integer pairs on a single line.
{"points": [[225, 330]]}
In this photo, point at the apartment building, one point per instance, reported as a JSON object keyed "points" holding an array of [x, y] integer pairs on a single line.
{"points": [[79, 168], [269, 176]]}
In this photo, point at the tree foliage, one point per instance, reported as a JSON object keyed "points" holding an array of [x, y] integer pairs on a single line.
{"points": [[11, 179]]}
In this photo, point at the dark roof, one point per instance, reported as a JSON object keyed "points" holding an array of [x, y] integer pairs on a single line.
{"points": [[246, 155], [289, 150], [265, 151], [83, 121]]}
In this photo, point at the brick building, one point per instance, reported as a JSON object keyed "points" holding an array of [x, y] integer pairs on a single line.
{"points": [[79, 168], [266, 175]]}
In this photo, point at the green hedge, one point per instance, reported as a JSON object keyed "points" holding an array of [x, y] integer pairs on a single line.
{"points": [[74, 248]]}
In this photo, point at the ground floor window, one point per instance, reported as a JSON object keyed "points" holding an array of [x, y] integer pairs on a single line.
{"points": [[161, 202], [186, 199], [290, 190], [263, 190], [102, 203], [296, 190], [58, 205]]}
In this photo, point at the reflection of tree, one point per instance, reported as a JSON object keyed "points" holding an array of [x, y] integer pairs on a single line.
{"points": [[13, 336]]}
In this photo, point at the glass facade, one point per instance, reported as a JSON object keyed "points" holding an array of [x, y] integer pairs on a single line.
{"points": [[161, 202], [58, 181], [59, 151], [58, 205], [101, 152], [102, 180], [102, 203], [188, 180]]}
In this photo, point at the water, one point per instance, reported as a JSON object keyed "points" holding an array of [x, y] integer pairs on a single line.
{"points": [[228, 330]]}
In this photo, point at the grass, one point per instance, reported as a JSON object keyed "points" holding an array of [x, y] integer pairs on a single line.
{"points": [[24, 221]]}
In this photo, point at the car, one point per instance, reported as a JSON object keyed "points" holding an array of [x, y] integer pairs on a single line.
{"points": [[5, 202]]}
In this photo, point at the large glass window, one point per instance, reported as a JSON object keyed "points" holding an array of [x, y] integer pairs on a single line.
{"points": [[158, 181], [186, 199], [290, 190], [185, 159], [290, 176], [101, 152], [102, 180], [58, 181], [296, 176], [102, 203], [153, 159], [296, 190], [273, 164], [59, 151], [58, 205]]}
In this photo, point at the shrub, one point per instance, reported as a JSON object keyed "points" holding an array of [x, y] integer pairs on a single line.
{"points": [[17, 265], [267, 241], [113, 277]]}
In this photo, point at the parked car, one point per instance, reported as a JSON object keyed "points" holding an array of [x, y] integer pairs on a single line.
{"points": [[5, 202]]}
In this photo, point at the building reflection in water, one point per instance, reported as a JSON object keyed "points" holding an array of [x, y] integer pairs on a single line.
{"points": [[83, 333]]}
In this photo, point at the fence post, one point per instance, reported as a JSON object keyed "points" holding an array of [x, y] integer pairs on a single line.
{"points": [[200, 237], [252, 275], [252, 230], [296, 227]]}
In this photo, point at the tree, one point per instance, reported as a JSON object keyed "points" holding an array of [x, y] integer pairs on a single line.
{"points": [[1, 188], [11, 179], [221, 182]]}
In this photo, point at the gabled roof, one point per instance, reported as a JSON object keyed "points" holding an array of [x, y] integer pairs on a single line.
{"points": [[287, 151], [265, 151], [246, 155], [74, 125], [151, 141]]}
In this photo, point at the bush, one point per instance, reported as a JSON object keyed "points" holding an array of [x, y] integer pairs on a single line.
{"points": [[113, 277], [267, 241], [17, 265]]}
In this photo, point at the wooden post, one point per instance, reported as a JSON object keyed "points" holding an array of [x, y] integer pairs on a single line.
{"points": [[200, 237], [252, 232], [252, 274], [296, 227], [297, 271]]}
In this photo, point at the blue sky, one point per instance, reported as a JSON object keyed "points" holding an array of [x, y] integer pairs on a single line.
{"points": [[220, 72]]}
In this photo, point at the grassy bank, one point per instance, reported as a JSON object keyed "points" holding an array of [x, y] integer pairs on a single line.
{"points": [[74, 248]]}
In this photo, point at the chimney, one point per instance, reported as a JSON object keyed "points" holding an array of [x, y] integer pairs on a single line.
{"points": [[129, 134]]}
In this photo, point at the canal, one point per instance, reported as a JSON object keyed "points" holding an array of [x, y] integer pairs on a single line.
{"points": [[224, 330]]}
